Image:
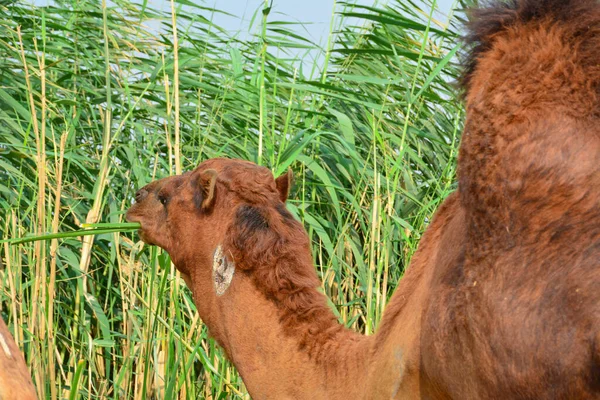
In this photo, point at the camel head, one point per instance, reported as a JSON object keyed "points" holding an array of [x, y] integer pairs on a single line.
{"points": [[192, 216]]}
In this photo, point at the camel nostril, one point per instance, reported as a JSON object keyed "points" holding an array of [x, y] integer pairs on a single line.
{"points": [[141, 195]]}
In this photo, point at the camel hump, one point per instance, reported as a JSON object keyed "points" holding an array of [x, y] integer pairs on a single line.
{"points": [[15, 381], [580, 18], [531, 142]]}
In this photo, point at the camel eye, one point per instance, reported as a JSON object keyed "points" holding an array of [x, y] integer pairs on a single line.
{"points": [[163, 199]]}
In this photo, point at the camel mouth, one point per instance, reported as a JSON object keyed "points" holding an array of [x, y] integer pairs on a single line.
{"points": [[131, 217], [140, 232]]}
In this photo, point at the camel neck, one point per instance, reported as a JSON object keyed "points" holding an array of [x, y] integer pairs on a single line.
{"points": [[279, 361]]}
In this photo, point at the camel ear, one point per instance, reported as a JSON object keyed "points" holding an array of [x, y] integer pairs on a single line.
{"points": [[205, 182], [284, 184]]}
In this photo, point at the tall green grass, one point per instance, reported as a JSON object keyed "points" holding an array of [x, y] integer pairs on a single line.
{"points": [[94, 103]]}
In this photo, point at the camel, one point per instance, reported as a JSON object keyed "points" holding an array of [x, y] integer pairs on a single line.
{"points": [[15, 380], [501, 299]]}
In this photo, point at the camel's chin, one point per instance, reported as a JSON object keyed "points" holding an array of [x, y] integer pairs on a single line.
{"points": [[144, 238]]}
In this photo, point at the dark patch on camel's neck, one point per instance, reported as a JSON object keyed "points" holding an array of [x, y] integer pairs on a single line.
{"points": [[275, 252], [251, 219], [250, 225]]}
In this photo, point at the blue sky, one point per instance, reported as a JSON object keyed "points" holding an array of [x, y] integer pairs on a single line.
{"points": [[316, 14]]}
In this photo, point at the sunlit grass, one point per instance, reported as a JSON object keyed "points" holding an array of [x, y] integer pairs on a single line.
{"points": [[94, 105]]}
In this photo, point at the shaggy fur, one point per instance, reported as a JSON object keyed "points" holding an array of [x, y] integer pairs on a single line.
{"points": [[575, 20], [501, 298], [274, 249]]}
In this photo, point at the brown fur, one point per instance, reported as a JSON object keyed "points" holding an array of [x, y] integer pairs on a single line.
{"points": [[15, 380], [502, 298]]}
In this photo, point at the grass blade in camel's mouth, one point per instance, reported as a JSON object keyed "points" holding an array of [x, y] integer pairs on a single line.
{"points": [[88, 229]]}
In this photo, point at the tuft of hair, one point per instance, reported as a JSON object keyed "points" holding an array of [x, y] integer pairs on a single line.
{"points": [[580, 18], [266, 242]]}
